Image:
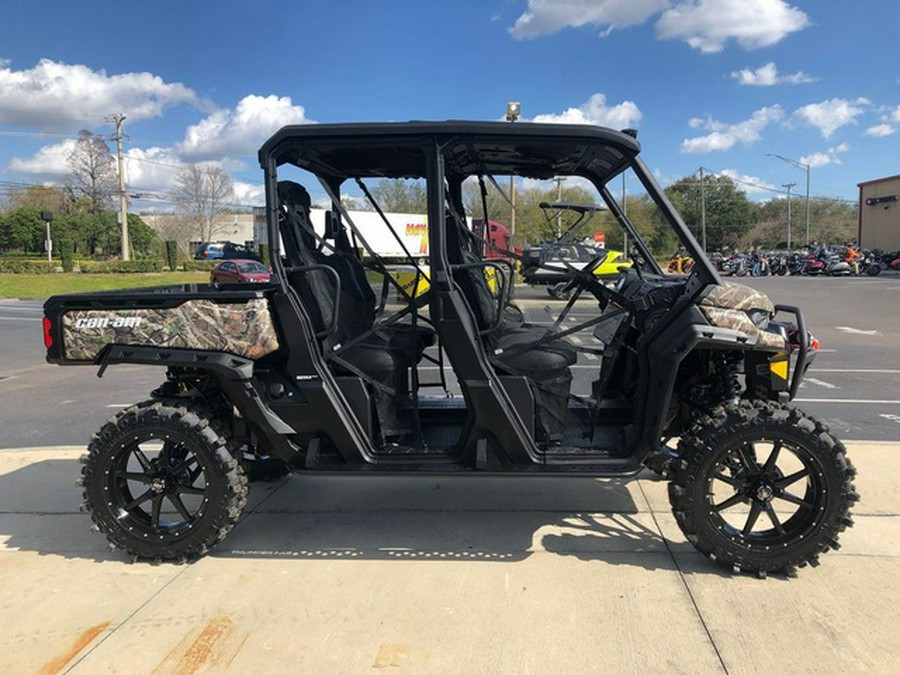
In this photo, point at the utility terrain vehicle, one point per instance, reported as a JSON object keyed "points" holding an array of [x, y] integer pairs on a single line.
{"points": [[333, 367]]}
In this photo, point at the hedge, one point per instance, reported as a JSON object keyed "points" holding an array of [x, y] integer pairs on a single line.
{"points": [[67, 254], [172, 254], [199, 265], [123, 266], [26, 267]]}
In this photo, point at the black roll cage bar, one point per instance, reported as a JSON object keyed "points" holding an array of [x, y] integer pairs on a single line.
{"points": [[433, 141]]}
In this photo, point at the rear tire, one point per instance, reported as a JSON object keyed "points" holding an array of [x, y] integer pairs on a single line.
{"points": [[160, 483], [761, 488]]}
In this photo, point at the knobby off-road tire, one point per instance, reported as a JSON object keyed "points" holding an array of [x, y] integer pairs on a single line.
{"points": [[257, 467], [761, 487], [160, 483]]}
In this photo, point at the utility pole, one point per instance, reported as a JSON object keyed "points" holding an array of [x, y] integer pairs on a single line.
{"points": [[703, 208], [805, 167], [789, 186], [559, 181], [123, 200]]}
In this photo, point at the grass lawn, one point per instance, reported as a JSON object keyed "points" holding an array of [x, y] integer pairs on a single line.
{"points": [[45, 285]]}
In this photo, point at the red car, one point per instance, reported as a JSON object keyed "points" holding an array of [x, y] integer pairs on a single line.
{"points": [[240, 271]]}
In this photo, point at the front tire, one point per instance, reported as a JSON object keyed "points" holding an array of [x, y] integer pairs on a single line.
{"points": [[160, 483], [761, 488]]}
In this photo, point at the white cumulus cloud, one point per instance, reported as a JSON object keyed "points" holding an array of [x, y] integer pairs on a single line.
{"points": [[880, 131], [829, 116], [549, 16], [768, 75], [248, 194], [596, 111], [55, 96], [830, 156], [242, 130], [707, 25], [752, 185], [724, 136], [48, 162]]}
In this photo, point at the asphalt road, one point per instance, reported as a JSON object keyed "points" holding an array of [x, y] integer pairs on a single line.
{"points": [[852, 385]]}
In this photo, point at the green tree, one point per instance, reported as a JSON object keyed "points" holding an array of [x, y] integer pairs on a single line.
{"points": [[400, 196], [831, 221], [533, 224], [22, 229], [42, 198], [729, 214]]}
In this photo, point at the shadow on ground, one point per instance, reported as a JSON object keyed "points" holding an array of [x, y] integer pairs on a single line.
{"points": [[370, 518]]}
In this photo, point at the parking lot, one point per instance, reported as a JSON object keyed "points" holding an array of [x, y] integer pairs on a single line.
{"points": [[449, 575]]}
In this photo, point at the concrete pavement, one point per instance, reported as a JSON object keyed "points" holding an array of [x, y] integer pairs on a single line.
{"points": [[449, 575]]}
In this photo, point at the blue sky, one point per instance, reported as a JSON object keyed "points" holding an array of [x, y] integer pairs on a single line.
{"points": [[717, 83]]}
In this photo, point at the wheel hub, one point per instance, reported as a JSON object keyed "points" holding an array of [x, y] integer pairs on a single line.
{"points": [[765, 493], [158, 485]]}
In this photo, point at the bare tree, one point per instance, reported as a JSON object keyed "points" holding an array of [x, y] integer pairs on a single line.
{"points": [[202, 194], [93, 172]]}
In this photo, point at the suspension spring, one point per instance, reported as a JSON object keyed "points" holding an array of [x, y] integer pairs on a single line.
{"points": [[727, 367]]}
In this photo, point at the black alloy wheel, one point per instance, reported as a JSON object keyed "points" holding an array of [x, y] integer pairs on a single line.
{"points": [[161, 484], [761, 488]]}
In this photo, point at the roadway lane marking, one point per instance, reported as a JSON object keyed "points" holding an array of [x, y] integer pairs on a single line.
{"points": [[892, 418], [847, 400], [18, 318], [827, 385], [857, 331], [860, 371]]}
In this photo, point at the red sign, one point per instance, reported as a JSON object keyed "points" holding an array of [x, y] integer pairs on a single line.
{"points": [[599, 237]]}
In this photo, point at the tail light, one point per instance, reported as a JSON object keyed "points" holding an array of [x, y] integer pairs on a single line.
{"points": [[48, 335]]}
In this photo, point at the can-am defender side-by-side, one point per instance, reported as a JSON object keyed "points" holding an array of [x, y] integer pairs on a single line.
{"points": [[331, 367]]}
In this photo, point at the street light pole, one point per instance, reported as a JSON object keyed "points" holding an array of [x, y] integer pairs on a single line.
{"points": [[789, 186], [805, 167]]}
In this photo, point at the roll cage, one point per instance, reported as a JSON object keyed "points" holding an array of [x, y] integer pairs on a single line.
{"points": [[486, 360]]}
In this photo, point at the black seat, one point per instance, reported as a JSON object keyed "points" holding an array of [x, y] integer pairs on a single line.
{"points": [[512, 348], [383, 356]]}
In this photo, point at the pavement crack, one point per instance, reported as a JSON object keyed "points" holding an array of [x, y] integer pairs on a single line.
{"points": [[684, 583]]}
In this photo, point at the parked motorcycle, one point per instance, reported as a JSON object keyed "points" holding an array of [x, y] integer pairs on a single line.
{"points": [[778, 264], [869, 264], [835, 266], [805, 264]]}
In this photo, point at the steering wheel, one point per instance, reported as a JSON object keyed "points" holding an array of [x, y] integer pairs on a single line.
{"points": [[586, 279]]}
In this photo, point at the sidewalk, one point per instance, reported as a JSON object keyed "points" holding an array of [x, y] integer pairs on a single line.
{"points": [[477, 575]]}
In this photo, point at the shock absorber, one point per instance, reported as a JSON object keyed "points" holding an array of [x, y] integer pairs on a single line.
{"points": [[727, 367]]}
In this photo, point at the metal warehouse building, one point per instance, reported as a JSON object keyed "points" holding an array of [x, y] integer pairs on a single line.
{"points": [[879, 214]]}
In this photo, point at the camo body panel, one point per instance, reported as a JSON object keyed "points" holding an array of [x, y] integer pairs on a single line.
{"points": [[737, 296], [244, 329], [738, 320]]}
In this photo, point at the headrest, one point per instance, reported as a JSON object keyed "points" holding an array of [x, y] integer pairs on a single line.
{"points": [[293, 194]]}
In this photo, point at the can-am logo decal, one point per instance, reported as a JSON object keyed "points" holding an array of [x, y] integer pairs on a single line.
{"points": [[108, 322]]}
